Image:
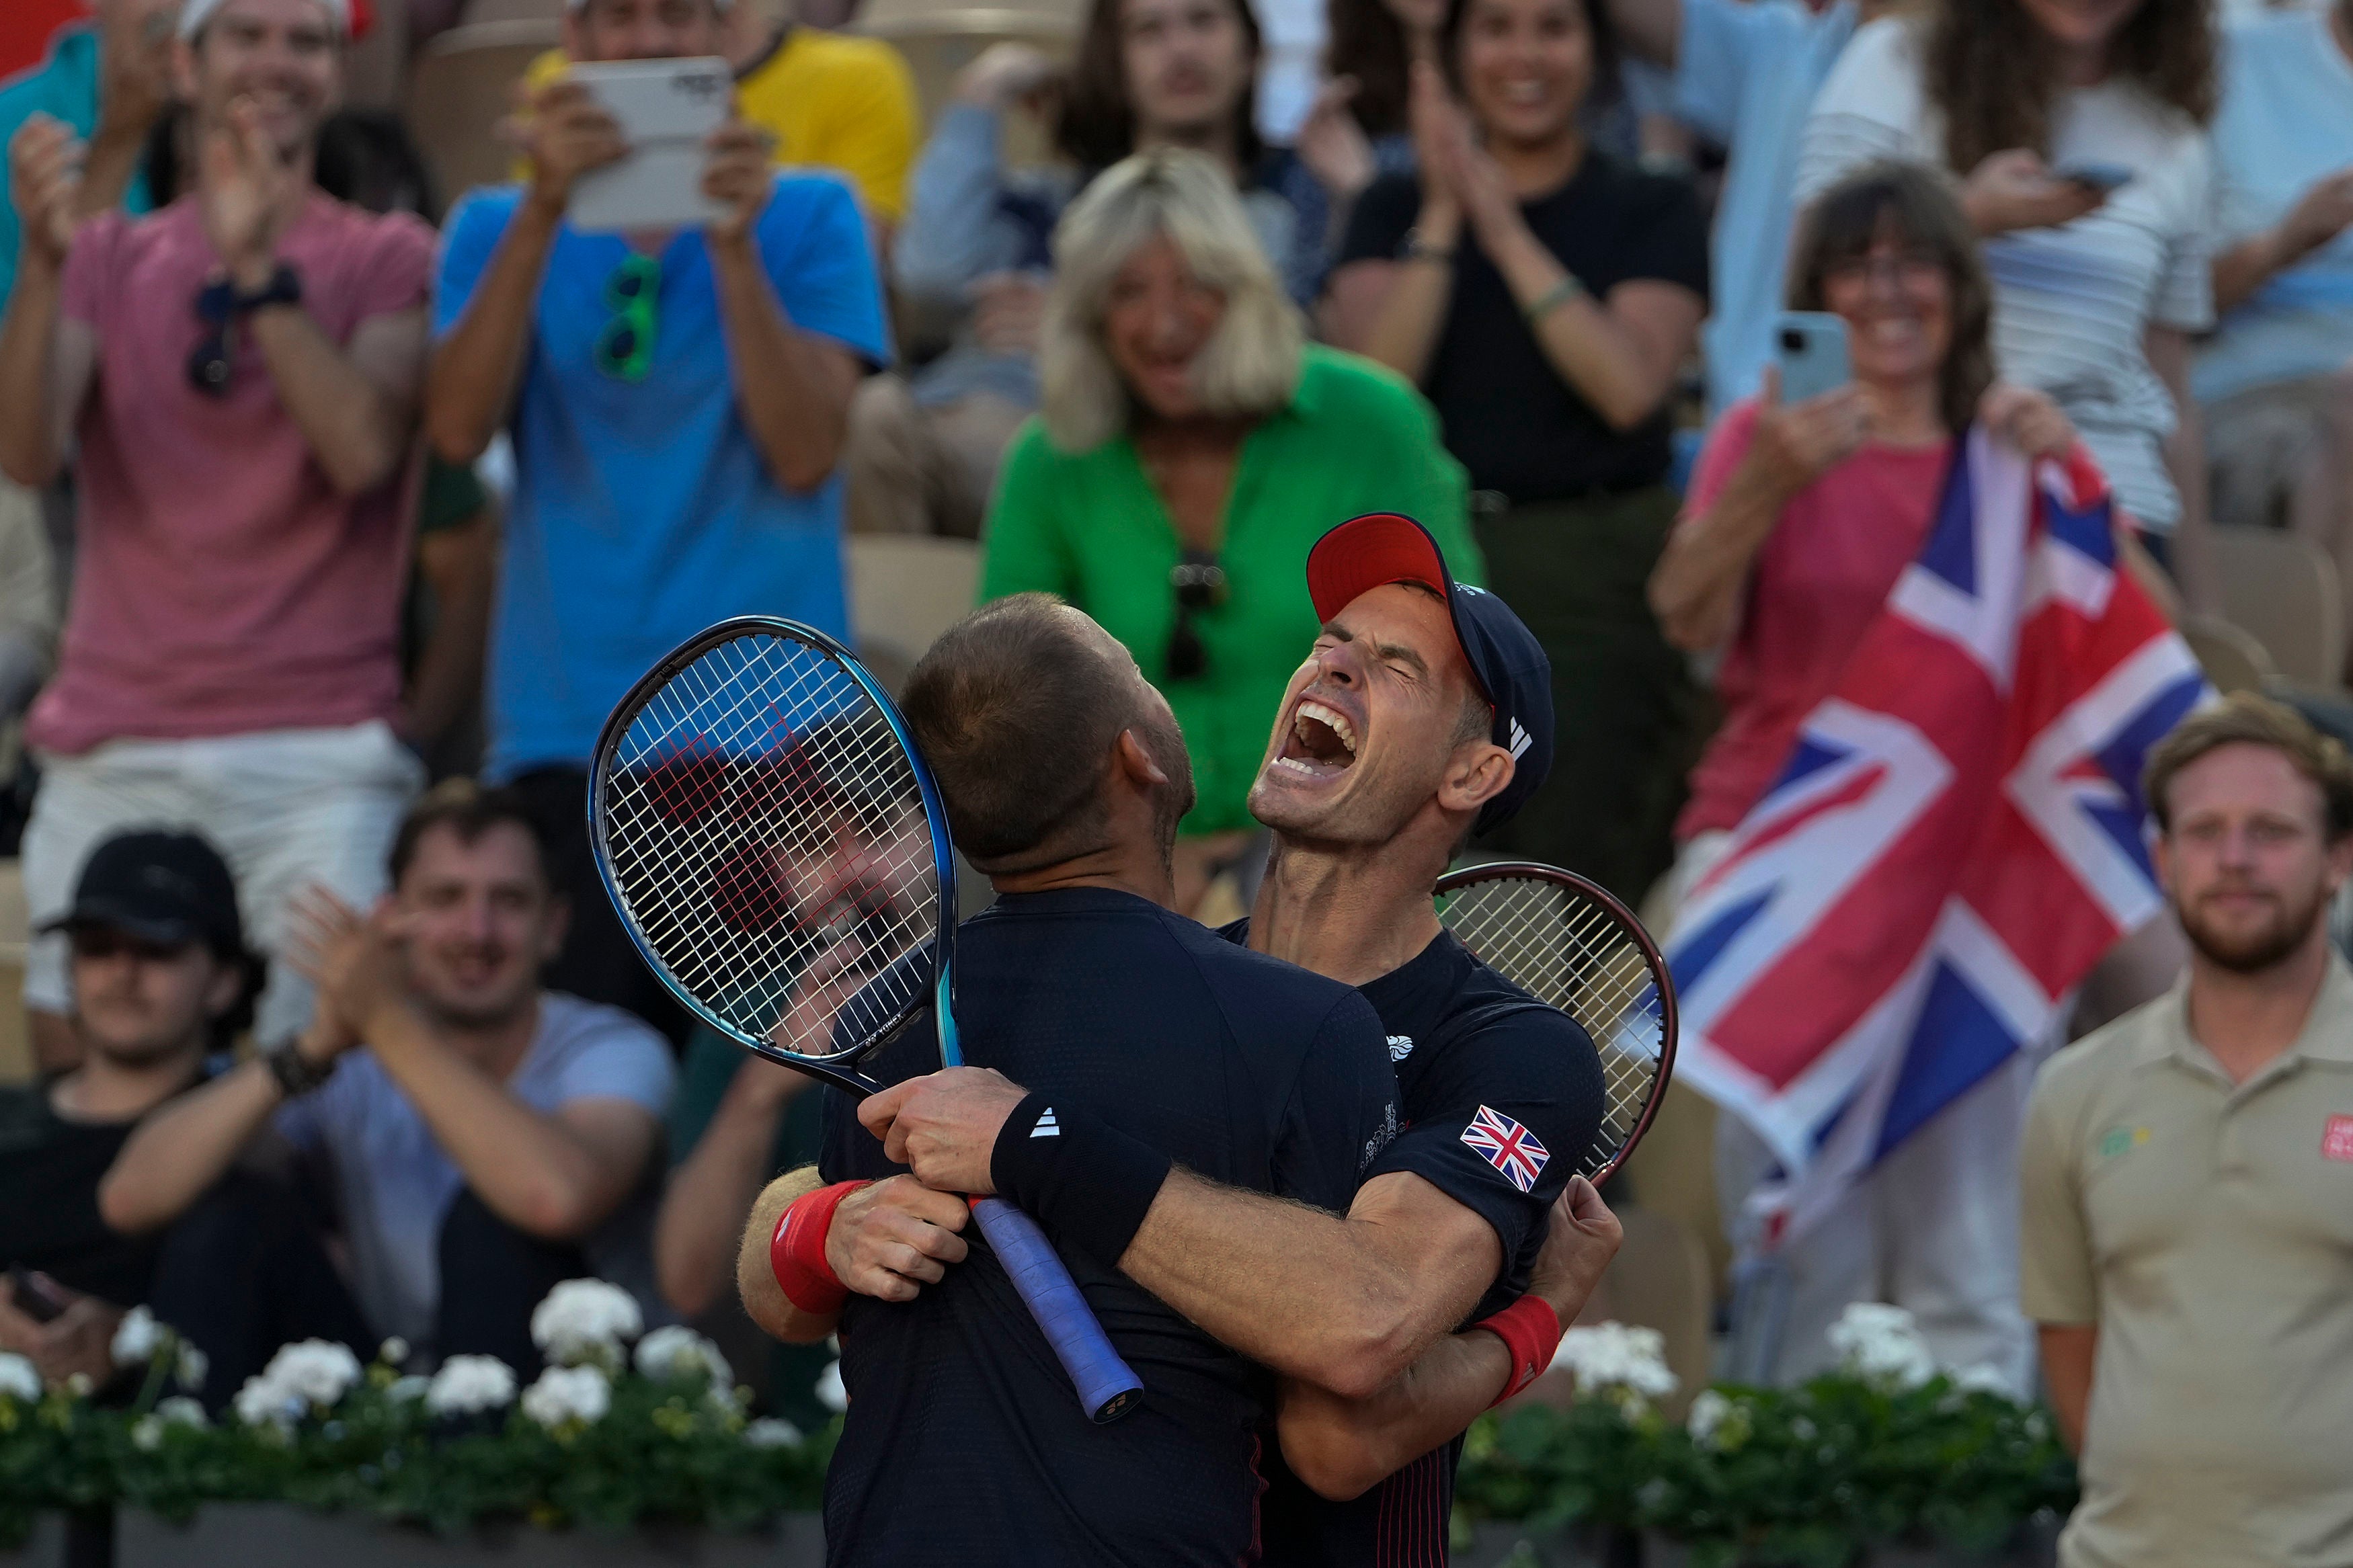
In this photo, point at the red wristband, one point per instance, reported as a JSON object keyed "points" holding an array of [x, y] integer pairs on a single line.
{"points": [[797, 1252], [1531, 1331]]}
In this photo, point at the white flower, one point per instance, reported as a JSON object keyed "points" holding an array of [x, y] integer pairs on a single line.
{"points": [[468, 1384], [137, 1338], [1616, 1356], [265, 1402], [1880, 1344], [567, 1393], [19, 1379], [393, 1352], [584, 1320], [191, 1366], [830, 1391], [1983, 1378], [147, 1432], [1708, 1412], [317, 1372], [78, 1385], [768, 1432], [678, 1350]]}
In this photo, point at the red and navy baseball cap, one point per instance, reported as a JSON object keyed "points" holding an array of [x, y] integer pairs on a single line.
{"points": [[1383, 547]]}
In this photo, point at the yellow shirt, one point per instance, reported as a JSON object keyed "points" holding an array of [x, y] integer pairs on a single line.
{"points": [[832, 101]]}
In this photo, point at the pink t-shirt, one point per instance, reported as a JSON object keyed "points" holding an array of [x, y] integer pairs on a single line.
{"points": [[1825, 571], [221, 586]]}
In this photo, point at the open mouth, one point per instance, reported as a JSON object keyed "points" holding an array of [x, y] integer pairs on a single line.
{"points": [[1322, 741]]}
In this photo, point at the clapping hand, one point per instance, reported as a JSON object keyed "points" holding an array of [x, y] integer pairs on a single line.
{"points": [[1004, 74], [44, 174], [356, 961], [739, 177], [1333, 145], [244, 195]]}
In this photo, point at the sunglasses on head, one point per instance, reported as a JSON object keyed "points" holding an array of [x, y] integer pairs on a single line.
{"points": [[625, 348], [1199, 585]]}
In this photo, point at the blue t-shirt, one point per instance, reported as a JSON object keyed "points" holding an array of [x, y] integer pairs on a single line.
{"points": [[642, 512], [1745, 73], [2286, 121], [963, 1443], [63, 86]]}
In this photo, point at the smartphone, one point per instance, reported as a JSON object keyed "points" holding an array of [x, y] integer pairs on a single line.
{"points": [[33, 1296], [2101, 177], [1809, 346], [666, 109]]}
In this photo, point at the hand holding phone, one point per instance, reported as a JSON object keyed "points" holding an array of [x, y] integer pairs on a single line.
{"points": [[1809, 348], [2101, 177], [665, 111]]}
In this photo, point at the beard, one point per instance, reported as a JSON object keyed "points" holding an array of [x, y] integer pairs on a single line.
{"points": [[2265, 947]]}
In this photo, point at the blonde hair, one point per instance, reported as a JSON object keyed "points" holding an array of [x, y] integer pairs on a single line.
{"points": [[1250, 363]]}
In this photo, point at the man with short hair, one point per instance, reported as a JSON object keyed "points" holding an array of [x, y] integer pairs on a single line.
{"points": [[2188, 1181], [468, 1126], [236, 376], [676, 403], [1064, 776], [1422, 714], [974, 252], [162, 983]]}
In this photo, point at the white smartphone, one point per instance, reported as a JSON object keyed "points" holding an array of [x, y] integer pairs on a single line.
{"points": [[1809, 346], [666, 110]]}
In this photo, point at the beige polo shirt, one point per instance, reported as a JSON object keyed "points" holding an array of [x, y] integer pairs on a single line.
{"points": [[2207, 1228]]}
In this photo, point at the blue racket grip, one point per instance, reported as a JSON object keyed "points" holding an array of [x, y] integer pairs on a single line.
{"points": [[1106, 1387]]}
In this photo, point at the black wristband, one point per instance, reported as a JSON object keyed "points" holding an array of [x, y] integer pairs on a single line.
{"points": [[1086, 1183], [295, 1075]]}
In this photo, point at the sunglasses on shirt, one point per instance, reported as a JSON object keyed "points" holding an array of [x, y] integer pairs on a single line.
{"points": [[625, 348], [1199, 585], [210, 366]]}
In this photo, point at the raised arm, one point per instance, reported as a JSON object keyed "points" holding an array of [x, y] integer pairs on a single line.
{"points": [[1342, 1447], [954, 231], [47, 365], [470, 381], [696, 1233], [792, 388]]}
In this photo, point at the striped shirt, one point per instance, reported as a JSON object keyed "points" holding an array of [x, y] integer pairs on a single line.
{"points": [[2071, 304]]}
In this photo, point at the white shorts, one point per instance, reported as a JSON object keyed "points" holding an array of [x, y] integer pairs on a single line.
{"points": [[286, 808]]}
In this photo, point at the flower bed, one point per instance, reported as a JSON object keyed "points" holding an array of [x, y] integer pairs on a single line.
{"points": [[1886, 1455]]}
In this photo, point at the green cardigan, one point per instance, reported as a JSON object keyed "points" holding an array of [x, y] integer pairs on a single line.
{"points": [[1089, 526]]}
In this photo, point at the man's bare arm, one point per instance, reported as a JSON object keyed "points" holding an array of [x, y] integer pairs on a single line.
{"points": [[2068, 1352], [1343, 1447]]}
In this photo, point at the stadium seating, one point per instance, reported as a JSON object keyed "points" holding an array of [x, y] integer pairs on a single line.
{"points": [[460, 90], [2284, 590], [904, 591]]}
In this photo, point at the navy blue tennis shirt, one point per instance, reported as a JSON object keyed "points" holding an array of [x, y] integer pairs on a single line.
{"points": [[965, 1443]]}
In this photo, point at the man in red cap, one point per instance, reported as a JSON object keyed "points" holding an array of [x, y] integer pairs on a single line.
{"points": [[1423, 713]]}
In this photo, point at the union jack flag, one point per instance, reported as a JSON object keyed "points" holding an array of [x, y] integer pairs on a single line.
{"points": [[1508, 1146], [1955, 841]]}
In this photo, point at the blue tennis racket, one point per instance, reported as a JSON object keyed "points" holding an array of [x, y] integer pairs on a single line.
{"points": [[777, 851]]}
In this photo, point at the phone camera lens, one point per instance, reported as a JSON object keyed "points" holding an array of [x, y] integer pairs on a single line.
{"points": [[1792, 340]]}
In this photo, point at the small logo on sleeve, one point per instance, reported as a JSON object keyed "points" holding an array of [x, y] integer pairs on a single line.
{"points": [[1047, 1126], [1508, 1146], [2336, 1143]]}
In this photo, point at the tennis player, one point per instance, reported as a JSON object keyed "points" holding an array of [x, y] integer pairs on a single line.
{"points": [[1064, 775], [1423, 713]]}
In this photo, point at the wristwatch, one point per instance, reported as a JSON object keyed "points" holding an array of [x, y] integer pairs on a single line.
{"points": [[284, 287], [296, 1075]]}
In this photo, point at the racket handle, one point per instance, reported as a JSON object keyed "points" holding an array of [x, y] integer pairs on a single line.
{"points": [[1107, 1389]]}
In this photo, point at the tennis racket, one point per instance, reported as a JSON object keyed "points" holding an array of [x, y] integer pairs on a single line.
{"points": [[1571, 945], [777, 851]]}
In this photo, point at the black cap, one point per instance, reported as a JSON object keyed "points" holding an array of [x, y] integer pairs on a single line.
{"points": [[161, 887], [1383, 547]]}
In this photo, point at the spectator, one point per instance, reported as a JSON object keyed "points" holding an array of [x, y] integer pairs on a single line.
{"points": [[2095, 299], [1191, 446], [1742, 74], [923, 453], [1354, 129], [1800, 520], [1545, 294], [832, 102], [238, 374], [469, 1125], [677, 406], [162, 985], [735, 1122], [2276, 379], [2184, 1173]]}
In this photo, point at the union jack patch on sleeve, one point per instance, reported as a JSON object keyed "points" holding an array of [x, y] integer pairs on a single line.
{"points": [[1508, 1146]]}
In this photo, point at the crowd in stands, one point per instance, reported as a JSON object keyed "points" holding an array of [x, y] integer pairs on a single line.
{"points": [[316, 493]]}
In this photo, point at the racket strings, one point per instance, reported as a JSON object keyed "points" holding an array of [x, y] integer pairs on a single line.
{"points": [[1572, 954], [765, 831]]}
